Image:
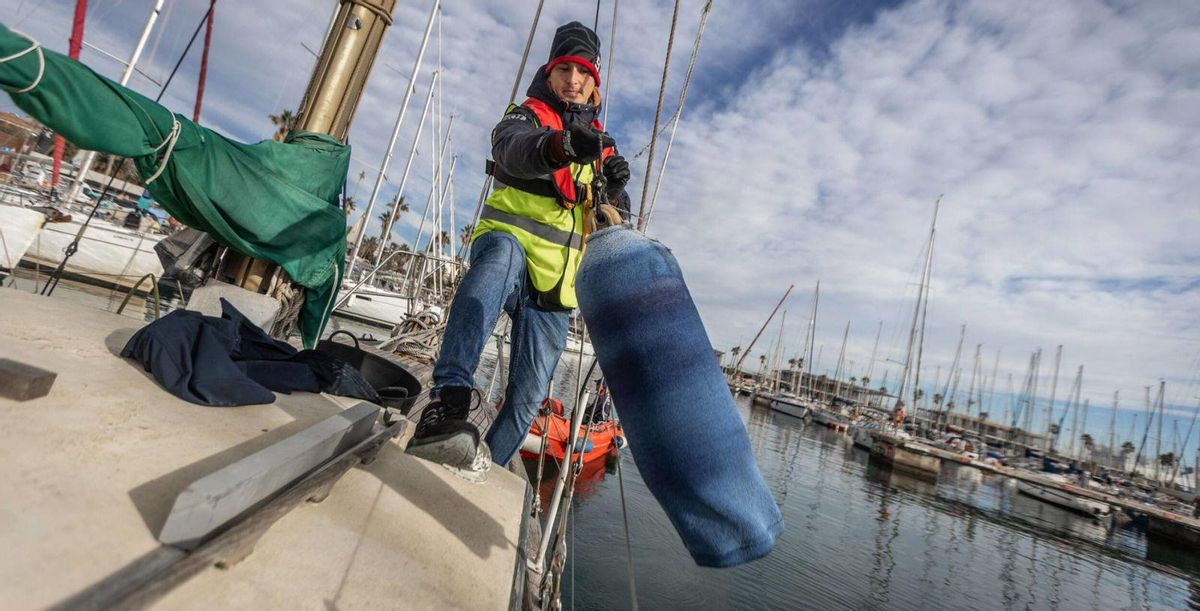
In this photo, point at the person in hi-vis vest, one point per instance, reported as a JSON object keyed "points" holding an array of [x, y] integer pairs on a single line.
{"points": [[554, 167]]}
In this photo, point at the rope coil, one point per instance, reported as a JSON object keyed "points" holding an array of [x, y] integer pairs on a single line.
{"points": [[34, 45]]}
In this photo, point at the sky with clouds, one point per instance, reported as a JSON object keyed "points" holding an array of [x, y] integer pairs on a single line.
{"points": [[1063, 138]]}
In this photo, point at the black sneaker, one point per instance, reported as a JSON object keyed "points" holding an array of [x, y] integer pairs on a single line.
{"points": [[443, 433]]}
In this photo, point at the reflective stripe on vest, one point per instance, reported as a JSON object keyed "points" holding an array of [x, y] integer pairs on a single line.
{"points": [[546, 232]]}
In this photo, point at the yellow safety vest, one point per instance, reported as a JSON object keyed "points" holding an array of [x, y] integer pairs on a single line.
{"points": [[551, 235]]}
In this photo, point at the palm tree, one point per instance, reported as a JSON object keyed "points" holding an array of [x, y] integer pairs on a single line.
{"points": [[358, 183], [464, 235], [348, 205], [369, 245], [284, 122], [401, 206]]}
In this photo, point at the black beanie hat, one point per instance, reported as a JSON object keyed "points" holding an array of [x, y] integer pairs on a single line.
{"points": [[577, 43]]}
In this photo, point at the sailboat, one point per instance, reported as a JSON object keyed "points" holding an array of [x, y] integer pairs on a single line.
{"points": [[891, 443]]}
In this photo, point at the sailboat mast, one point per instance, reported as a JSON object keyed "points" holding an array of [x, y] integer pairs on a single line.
{"points": [[912, 332], [1112, 428], [1183, 448], [1053, 390], [74, 46], [746, 353], [946, 398], [925, 300], [1162, 386], [812, 332], [874, 352], [778, 351], [208, 30], [1145, 433], [387, 157], [1075, 415], [837, 372], [412, 154], [1084, 429]]}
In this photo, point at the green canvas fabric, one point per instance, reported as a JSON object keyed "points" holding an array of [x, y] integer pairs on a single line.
{"points": [[270, 200]]}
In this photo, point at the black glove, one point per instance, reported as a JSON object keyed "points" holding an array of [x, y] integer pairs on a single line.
{"points": [[578, 143], [616, 173]]}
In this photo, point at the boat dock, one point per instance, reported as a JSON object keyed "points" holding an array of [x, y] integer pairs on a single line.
{"points": [[93, 469], [1160, 521]]}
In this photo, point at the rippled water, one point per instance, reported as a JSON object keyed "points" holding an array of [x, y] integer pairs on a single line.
{"points": [[860, 535]]}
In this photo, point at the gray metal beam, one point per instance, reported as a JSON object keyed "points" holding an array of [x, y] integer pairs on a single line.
{"points": [[213, 500]]}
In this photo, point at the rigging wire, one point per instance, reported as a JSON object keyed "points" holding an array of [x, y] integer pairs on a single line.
{"points": [[633, 601], [687, 79], [662, 90], [612, 54]]}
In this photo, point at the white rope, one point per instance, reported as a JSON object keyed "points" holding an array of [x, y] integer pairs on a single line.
{"points": [[33, 46], [169, 143]]}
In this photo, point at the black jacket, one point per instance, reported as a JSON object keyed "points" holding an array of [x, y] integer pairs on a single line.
{"points": [[519, 144]]}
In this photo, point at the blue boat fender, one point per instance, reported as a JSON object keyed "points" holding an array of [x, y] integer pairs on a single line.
{"points": [[684, 430]]}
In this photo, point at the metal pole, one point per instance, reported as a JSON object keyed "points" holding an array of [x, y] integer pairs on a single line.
{"points": [[387, 157], [1112, 428], [208, 29], [1054, 389], [746, 353], [75, 45], [85, 166], [412, 153], [561, 482]]}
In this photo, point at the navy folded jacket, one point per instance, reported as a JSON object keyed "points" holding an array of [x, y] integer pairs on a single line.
{"points": [[229, 361]]}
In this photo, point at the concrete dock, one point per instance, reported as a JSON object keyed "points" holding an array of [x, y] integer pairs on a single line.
{"points": [[91, 471]]}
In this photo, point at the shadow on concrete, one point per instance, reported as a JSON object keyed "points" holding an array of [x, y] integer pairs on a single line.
{"points": [[116, 340], [415, 480], [155, 498]]}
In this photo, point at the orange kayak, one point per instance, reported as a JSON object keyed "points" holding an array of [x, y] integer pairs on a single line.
{"points": [[596, 440]]}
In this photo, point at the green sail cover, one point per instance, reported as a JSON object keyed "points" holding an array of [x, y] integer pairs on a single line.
{"points": [[273, 201]]}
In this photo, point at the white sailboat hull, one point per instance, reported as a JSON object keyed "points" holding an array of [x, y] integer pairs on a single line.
{"points": [[107, 253], [19, 228], [1064, 499], [863, 437], [789, 406], [374, 305]]}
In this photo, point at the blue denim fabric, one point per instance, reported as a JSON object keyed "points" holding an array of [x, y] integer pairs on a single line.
{"points": [[496, 281], [684, 430]]}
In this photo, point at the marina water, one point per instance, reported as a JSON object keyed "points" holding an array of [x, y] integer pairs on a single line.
{"points": [[863, 536]]}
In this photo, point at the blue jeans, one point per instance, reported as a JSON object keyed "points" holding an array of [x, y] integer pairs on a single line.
{"points": [[684, 430], [497, 281]]}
